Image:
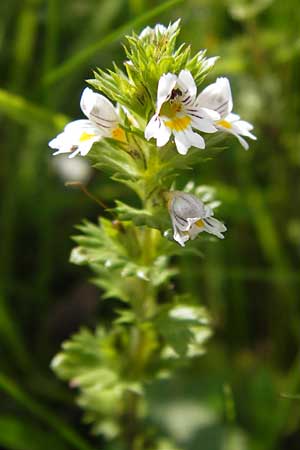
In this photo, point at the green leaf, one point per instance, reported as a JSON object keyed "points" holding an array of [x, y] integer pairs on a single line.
{"points": [[95, 363], [185, 329], [115, 251], [114, 157], [158, 219]]}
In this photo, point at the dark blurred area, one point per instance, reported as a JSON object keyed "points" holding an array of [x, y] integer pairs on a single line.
{"points": [[245, 392]]}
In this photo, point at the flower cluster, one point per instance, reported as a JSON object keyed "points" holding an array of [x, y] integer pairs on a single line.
{"points": [[181, 114]]}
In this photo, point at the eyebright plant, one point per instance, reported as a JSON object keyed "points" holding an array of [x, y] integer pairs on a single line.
{"points": [[153, 120]]}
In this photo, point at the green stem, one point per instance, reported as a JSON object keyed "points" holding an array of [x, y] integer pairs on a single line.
{"points": [[144, 306]]}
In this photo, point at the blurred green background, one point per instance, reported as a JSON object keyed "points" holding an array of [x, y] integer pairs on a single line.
{"points": [[244, 393]]}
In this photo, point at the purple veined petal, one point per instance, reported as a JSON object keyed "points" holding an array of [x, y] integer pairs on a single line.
{"points": [[215, 227], [187, 206], [217, 96], [204, 125], [187, 84], [98, 109], [77, 127]]}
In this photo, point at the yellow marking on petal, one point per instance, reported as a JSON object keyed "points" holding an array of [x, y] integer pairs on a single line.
{"points": [[200, 223], [178, 123], [86, 136], [119, 134], [224, 124]]}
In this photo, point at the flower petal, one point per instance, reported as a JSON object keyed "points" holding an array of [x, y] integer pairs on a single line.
{"points": [[98, 109], [77, 137], [185, 207], [217, 96], [215, 227], [195, 139], [152, 128], [187, 84], [207, 113], [244, 128], [232, 117], [77, 127], [242, 141], [166, 84], [182, 142], [195, 230], [147, 31], [186, 139], [180, 237], [238, 129], [163, 135], [203, 125]]}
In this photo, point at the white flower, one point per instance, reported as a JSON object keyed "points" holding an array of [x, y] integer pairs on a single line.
{"points": [[79, 136], [159, 30], [217, 96], [190, 216], [177, 113]]}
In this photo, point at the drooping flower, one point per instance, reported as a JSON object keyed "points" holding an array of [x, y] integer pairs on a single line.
{"points": [[102, 121], [190, 216], [217, 96], [159, 30], [177, 113]]}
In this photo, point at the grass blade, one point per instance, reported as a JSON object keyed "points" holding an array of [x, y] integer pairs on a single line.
{"points": [[27, 113], [81, 57], [43, 413]]}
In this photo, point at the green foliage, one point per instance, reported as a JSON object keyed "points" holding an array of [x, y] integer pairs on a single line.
{"points": [[157, 217], [107, 367], [117, 253], [91, 363], [185, 328]]}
